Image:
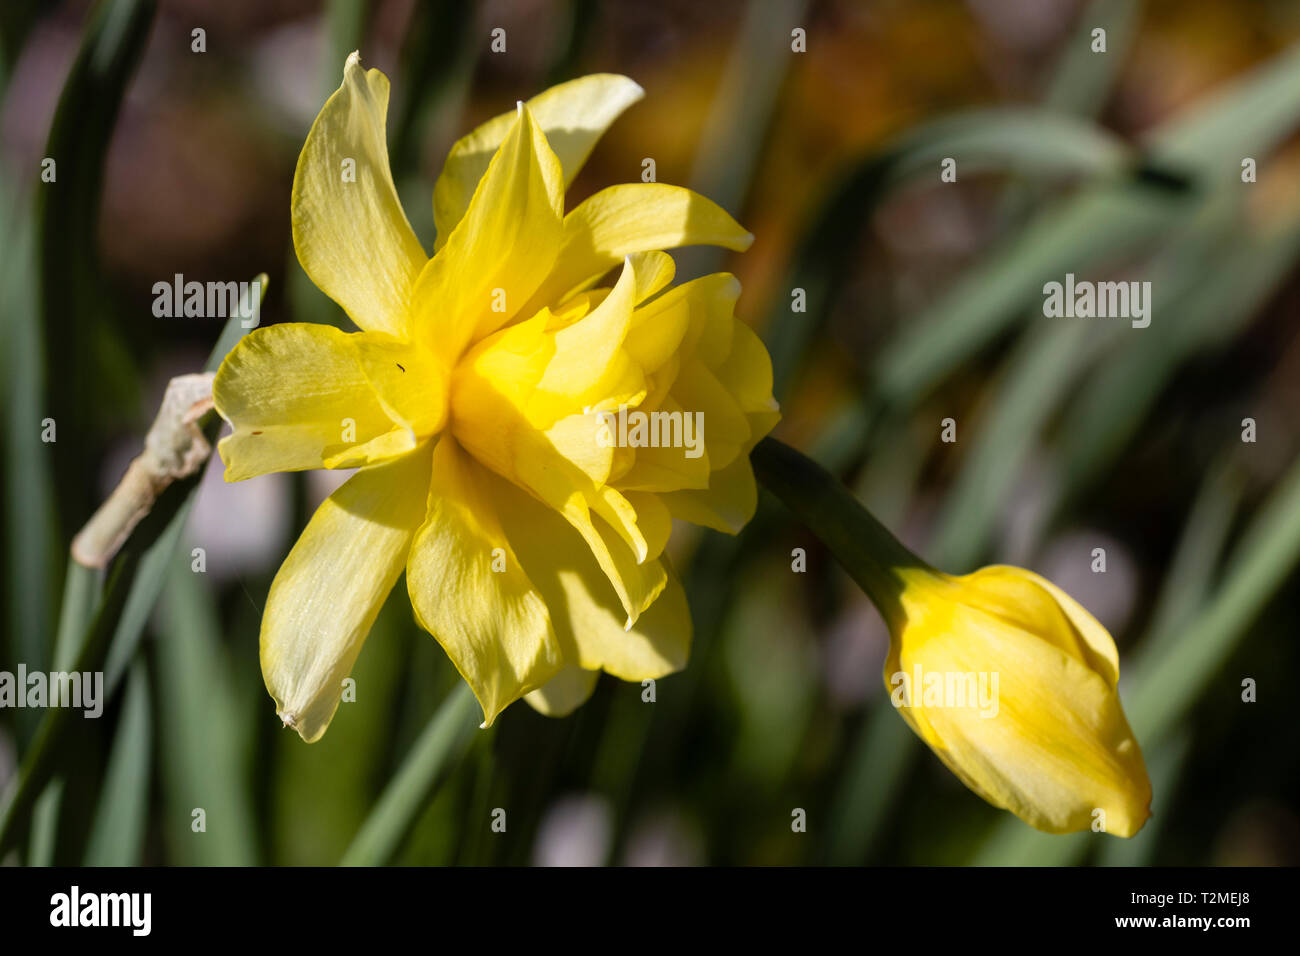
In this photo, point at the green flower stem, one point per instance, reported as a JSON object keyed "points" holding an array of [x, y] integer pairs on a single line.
{"points": [[872, 556], [441, 745]]}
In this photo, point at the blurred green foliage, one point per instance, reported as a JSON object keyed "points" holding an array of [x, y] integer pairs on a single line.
{"points": [[923, 302]]}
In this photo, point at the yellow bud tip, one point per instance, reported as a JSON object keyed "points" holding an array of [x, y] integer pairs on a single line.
{"points": [[354, 59], [289, 720], [519, 106]]}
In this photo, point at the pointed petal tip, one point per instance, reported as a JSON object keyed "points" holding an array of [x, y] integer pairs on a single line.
{"points": [[635, 89]]}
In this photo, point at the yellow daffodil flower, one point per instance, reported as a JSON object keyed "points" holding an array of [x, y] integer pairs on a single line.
{"points": [[1003, 675], [477, 400], [1043, 734]]}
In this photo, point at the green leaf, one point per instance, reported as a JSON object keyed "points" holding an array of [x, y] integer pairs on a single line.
{"points": [[1081, 80], [872, 781], [1213, 284], [1027, 141], [134, 581], [1189, 158], [16, 21], [1250, 116], [30, 526], [1197, 558], [117, 832], [1164, 689], [346, 27], [1040, 376], [206, 740], [438, 56], [1072, 235], [439, 748], [80, 598], [367, 736], [73, 302]]}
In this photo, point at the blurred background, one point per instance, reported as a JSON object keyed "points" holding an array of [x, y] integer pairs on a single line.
{"points": [[923, 301]]}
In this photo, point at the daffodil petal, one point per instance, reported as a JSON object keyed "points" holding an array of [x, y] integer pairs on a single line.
{"points": [[385, 447], [1095, 637], [573, 115], [724, 425], [349, 230], [634, 217], [746, 372], [656, 645], [1056, 747], [638, 583], [470, 591], [619, 514], [746, 376], [298, 397], [1032, 602], [326, 595], [599, 514], [589, 617], [660, 382], [576, 439], [501, 250], [668, 467], [653, 520], [565, 466], [564, 693], [675, 323], [585, 350], [654, 271], [408, 381], [664, 470], [725, 505]]}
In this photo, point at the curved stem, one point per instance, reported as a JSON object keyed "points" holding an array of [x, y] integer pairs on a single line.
{"points": [[873, 557]]}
